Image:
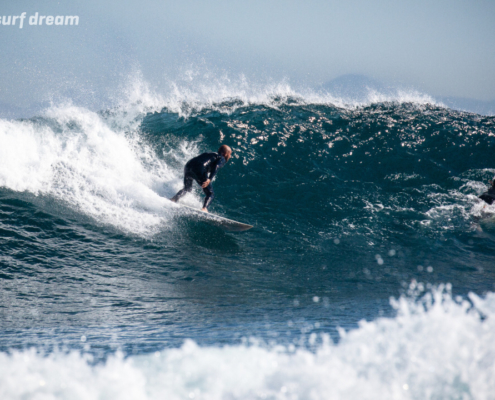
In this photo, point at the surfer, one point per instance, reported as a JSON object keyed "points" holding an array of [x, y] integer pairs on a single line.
{"points": [[489, 195], [203, 169]]}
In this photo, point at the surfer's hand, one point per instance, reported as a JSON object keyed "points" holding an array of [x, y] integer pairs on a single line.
{"points": [[206, 183]]}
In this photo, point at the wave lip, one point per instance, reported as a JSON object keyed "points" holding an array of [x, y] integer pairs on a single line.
{"points": [[86, 161], [192, 92]]}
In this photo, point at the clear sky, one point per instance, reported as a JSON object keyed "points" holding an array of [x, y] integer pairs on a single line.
{"points": [[440, 47]]}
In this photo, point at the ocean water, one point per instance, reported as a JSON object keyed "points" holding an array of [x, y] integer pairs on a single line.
{"points": [[369, 273]]}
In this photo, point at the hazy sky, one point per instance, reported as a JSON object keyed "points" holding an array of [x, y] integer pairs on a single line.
{"points": [[443, 47]]}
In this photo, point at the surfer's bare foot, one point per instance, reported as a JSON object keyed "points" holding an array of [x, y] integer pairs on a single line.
{"points": [[204, 209]]}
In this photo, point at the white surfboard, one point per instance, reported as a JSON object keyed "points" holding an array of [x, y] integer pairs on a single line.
{"points": [[212, 219]]}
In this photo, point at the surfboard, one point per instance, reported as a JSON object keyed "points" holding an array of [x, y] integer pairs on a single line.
{"points": [[216, 220]]}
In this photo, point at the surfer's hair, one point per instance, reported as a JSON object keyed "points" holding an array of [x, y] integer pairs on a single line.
{"points": [[224, 149]]}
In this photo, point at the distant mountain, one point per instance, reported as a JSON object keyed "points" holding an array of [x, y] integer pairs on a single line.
{"points": [[355, 87]]}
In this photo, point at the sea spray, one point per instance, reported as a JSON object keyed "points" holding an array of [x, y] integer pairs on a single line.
{"points": [[435, 347]]}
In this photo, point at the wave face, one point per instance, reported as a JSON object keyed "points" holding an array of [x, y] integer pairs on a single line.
{"points": [[350, 202]]}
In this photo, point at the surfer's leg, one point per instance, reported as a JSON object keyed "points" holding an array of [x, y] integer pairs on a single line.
{"points": [[188, 181], [208, 191]]}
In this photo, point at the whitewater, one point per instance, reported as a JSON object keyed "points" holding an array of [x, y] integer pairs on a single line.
{"points": [[369, 272]]}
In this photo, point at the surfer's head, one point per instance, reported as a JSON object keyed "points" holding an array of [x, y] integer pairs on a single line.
{"points": [[225, 151]]}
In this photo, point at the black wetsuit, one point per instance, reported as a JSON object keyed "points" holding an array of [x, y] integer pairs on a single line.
{"points": [[201, 168], [489, 196]]}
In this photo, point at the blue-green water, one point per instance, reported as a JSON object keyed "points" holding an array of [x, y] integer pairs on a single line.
{"points": [[109, 291]]}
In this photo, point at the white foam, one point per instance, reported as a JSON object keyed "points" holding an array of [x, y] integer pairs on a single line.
{"points": [[435, 348], [94, 164], [462, 205]]}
